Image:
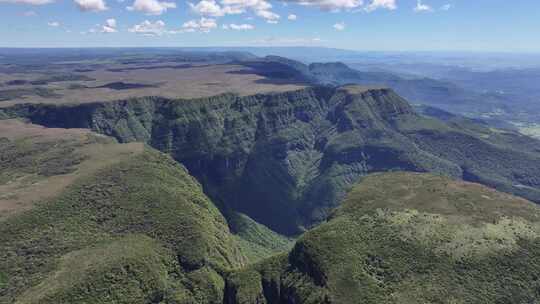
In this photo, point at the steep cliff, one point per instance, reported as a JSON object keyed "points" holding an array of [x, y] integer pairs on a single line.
{"points": [[286, 159]]}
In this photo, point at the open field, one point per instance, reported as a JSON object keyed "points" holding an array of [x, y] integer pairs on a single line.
{"points": [[38, 163], [113, 82]]}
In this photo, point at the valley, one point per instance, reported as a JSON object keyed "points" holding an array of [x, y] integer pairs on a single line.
{"points": [[286, 159]]}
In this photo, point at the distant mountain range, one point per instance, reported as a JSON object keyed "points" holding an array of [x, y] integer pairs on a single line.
{"points": [[443, 94]]}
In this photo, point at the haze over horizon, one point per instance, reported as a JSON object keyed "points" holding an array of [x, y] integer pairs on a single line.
{"points": [[374, 25]]}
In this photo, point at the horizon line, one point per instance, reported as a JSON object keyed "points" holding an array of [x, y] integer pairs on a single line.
{"points": [[531, 52]]}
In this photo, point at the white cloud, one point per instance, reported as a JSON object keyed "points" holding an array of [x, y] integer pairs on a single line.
{"points": [[348, 5], [148, 28], [30, 14], [151, 7], [159, 28], [251, 4], [111, 22], [207, 8], [53, 24], [106, 29], [331, 5], [269, 16], [202, 25], [238, 27], [292, 17], [340, 26], [91, 5], [30, 2], [211, 8], [378, 4], [446, 7], [109, 26], [421, 7]]}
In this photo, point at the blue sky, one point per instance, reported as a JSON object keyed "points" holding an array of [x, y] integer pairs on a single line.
{"points": [[396, 25]]}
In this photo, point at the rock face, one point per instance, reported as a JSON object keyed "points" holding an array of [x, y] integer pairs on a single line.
{"points": [[285, 159], [407, 238]]}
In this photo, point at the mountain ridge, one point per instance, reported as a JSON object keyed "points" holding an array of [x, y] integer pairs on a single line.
{"points": [[423, 90]]}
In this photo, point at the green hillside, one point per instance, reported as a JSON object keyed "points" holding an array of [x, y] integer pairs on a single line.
{"points": [[256, 240], [136, 231], [407, 238]]}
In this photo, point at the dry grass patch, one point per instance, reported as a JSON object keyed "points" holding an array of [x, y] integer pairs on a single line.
{"points": [[37, 163], [189, 82]]}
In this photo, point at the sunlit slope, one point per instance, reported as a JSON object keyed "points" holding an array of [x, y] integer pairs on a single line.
{"points": [[136, 230], [408, 238], [38, 163]]}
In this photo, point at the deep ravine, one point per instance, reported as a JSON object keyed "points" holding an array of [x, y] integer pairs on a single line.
{"points": [[287, 159]]}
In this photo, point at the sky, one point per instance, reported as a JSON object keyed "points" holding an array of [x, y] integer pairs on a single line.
{"points": [[374, 25]]}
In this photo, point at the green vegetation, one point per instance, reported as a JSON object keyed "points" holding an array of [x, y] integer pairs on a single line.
{"points": [[408, 238], [25, 156], [37, 164], [287, 159], [134, 269], [10, 94], [427, 91], [138, 231], [3, 280], [141, 230], [84, 219], [121, 224], [256, 240]]}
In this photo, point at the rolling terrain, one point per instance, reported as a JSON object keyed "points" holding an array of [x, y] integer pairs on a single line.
{"points": [[140, 223], [241, 180]]}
